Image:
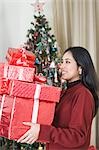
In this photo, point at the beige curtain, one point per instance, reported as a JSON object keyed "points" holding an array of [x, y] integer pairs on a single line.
{"points": [[76, 22]]}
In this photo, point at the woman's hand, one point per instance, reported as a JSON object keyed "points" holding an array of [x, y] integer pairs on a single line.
{"points": [[31, 135]]}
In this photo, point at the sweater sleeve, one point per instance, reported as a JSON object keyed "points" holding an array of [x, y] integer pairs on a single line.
{"points": [[79, 125]]}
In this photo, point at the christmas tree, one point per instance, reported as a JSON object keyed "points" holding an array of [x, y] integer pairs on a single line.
{"points": [[43, 44], [40, 41]]}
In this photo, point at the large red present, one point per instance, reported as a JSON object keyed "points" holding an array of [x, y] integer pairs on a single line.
{"points": [[39, 109], [27, 90], [17, 72]]}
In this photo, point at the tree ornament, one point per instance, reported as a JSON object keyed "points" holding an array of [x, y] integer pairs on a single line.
{"points": [[55, 76], [49, 40], [52, 65], [38, 5]]}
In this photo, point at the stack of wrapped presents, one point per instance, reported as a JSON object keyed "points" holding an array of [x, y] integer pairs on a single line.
{"points": [[24, 96]]}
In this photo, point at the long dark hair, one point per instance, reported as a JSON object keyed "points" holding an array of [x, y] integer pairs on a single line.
{"points": [[89, 77]]}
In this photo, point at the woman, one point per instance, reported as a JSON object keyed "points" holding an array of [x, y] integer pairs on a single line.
{"points": [[71, 127]]}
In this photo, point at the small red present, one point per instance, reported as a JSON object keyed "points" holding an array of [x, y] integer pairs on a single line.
{"points": [[15, 61], [17, 53], [39, 109], [17, 72]]}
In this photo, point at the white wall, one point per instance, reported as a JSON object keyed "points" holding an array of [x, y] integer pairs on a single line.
{"points": [[15, 19]]}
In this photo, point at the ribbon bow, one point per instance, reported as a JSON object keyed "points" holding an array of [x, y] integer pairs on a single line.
{"points": [[22, 60]]}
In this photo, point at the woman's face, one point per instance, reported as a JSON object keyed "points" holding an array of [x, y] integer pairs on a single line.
{"points": [[69, 69]]}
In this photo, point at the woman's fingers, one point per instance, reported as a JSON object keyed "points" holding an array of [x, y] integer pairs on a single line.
{"points": [[27, 138], [31, 135], [28, 123], [27, 133], [23, 137], [31, 141]]}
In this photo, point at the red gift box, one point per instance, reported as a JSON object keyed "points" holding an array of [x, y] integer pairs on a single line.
{"points": [[37, 110], [22, 89], [27, 90], [17, 53], [17, 72], [20, 57], [14, 60]]}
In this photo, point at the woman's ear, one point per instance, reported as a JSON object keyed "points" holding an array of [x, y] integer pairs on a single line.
{"points": [[80, 70]]}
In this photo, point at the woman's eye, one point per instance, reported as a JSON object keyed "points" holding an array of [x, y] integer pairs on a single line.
{"points": [[67, 62]]}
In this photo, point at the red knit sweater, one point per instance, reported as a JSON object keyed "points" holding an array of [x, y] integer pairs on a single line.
{"points": [[71, 127]]}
